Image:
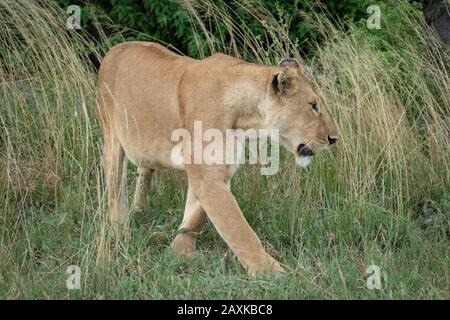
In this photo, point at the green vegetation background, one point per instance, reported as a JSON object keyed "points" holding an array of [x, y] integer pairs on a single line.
{"points": [[168, 21]]}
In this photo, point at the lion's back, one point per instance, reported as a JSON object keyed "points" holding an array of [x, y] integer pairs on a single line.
{"points": [[138, 93], [142, 71]]}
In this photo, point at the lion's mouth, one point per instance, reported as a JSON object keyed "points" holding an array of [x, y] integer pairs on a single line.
{"points": [[303, 154], [304, 151]]}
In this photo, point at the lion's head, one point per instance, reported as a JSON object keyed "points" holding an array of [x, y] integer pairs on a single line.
{"points": [[299, 112]]}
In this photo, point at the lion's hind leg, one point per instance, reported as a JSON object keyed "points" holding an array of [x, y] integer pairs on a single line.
{"points": [[140, 201], [115, 164]]}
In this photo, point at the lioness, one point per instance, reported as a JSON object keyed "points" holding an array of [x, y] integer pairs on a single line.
{"points": [[146, 92]]}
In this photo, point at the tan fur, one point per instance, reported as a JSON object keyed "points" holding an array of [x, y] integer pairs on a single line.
{"points": [[147, 91]]}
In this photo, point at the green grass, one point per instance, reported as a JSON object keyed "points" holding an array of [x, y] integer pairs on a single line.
{"points": [[327, 250], [381, 197]]}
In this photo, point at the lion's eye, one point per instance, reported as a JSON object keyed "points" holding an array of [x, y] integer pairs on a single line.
{"points": [[314, 106]]}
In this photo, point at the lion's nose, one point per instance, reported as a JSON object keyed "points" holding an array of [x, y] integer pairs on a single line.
{"points": [[332, 140]]}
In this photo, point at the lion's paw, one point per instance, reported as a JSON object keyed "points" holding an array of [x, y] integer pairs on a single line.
{"points": [[270, 266], [184, 245]]}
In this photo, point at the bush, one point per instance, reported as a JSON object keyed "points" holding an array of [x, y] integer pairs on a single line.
{"points": [[169, 21]]}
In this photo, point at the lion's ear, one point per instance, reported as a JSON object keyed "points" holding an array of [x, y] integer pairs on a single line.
{"points": [[288, 62], [294, 63], [285, 82]]}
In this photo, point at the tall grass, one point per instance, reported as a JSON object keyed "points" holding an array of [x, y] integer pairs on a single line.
{"points": [[380, 197], [49, 164]]}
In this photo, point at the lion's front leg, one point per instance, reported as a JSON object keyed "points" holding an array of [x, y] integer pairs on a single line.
{"points": [[210, 187], [193, 220]]}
